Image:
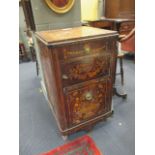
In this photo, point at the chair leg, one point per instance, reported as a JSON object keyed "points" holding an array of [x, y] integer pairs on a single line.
{"points": [[37, 67], [121, 70], [123, 95]]}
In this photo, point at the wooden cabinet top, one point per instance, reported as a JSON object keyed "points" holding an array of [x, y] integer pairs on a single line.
{"points": [[74, 34], [117, 20]]}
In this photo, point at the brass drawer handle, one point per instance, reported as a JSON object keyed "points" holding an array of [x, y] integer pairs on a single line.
{"points": [[89, 96], [64, 76]]}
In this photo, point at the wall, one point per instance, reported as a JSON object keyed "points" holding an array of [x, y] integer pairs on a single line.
{"points": [[46, 19], [101, 9], [89, 9], [92, 9]]}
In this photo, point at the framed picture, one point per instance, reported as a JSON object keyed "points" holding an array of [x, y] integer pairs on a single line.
{"points": [[60, 6]]}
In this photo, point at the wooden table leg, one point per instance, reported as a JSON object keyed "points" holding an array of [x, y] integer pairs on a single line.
{"points": [[124, 95]]}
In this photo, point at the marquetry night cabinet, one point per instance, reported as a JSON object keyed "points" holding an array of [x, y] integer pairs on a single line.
{"points": [[79, 71]]}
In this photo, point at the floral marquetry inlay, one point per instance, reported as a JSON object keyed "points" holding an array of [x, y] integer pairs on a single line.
{"points": [[83, 71], [86, 50], [89, 101]]}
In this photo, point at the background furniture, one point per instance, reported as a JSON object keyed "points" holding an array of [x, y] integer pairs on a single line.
{"points": [[122, 26], [27, 8], [120, 9], [128, 42], [22, 53], [120, 57], [79, 69]]}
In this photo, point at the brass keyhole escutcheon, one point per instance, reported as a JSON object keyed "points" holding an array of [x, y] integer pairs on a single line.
{"points": [[87, 48], [88, 96]]}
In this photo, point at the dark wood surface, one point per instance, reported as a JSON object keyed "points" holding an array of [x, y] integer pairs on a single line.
{"points": [[55, 36], [79, 75], [27, 8], [122, 26], [120, 9]]}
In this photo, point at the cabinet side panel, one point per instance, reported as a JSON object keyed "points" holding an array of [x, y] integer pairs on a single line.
{"points": [[113, 49], [51, 84]]}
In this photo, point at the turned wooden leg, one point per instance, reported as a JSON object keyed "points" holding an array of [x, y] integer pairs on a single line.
{"points": [[124, 95], [37, 67], [121, 70]]}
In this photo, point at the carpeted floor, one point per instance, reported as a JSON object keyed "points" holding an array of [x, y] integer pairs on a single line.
{"points": [[38, 129]]}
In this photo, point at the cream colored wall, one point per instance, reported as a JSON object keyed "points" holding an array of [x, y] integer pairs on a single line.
{"points": [[89, 9], [92, 9]]}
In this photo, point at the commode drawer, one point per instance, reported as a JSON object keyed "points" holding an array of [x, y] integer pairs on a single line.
{"points": [[86, 68], [88, 100], [77, 49]]}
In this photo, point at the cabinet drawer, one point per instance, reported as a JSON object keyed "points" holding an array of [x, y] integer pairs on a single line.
{"points": [[86, 68], [66, 52], [88, 100]]}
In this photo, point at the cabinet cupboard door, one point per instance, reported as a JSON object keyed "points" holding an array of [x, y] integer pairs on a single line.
{"points": [[88, 100]]}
